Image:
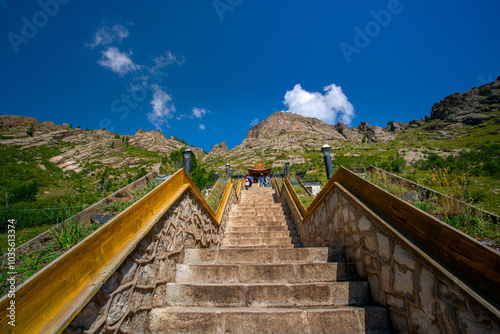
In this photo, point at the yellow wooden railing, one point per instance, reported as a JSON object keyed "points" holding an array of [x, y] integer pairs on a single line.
{"points": [[49, 300], [295, 198]]}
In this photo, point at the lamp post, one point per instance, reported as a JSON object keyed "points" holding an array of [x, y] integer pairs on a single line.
{"points": [[187, 160], [325, 150], [227, 168], [287, 168]]}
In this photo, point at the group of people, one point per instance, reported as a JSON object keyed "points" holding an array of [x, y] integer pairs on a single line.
{"points": [[263, 181]]}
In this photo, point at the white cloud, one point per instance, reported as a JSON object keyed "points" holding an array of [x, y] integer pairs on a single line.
{"points": [[202, 127], [118, 62], [331, 107], [199, 112], [163, 108], [108, 35], [254, 122], [168, 59]]}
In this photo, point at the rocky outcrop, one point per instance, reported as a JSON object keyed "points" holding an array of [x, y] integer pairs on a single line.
{"points": [[219, 149], [13, 121], [374, 133], [281, 123], [348, 134], [79, 147], [158, 142], [471, 107], [397, 127]]}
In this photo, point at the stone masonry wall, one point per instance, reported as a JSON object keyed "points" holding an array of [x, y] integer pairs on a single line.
{"points": [[123, 303], [418, 295]]}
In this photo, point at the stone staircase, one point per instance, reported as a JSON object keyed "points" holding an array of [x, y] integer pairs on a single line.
{"points": [[261, 281]]}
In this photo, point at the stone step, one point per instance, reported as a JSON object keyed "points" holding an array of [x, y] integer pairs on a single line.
{"points": [[268, 294], [259, 205], [256, 201], [212, 320], [252, 223], [260, 241], [263, 209], [256, 229], [258, 197], [258, 234], [280, 218], [267, 273], [256, 256], [258, 210], [257, 214], [288, 245]]}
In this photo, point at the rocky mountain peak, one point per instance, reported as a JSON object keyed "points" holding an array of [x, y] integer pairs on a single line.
{"points": [[220, 147], [281, 123], [471, 107], [14, 121], [219, 150], [341, 127], [396, 126]]}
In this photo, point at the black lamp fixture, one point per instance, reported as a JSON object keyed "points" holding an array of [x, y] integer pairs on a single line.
{"points": [[325, 150], [228, 166], [187, 160], [287, 168]]}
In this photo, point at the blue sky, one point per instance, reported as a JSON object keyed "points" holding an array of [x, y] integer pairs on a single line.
{"points": [[206, 71]]}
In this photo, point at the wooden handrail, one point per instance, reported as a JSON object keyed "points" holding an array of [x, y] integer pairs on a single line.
{"points": [[276, 186], [295, 198], [304, 187], [223, 203], [238, 188], [49, 300]]}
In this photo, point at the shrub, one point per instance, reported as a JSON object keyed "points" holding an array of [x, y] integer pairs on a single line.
{"points": [[30, 131], [398, 165], [25, 192], [140, 173]]}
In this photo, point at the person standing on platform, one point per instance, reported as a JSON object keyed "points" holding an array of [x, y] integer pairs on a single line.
{"points": [[261, 179]]}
